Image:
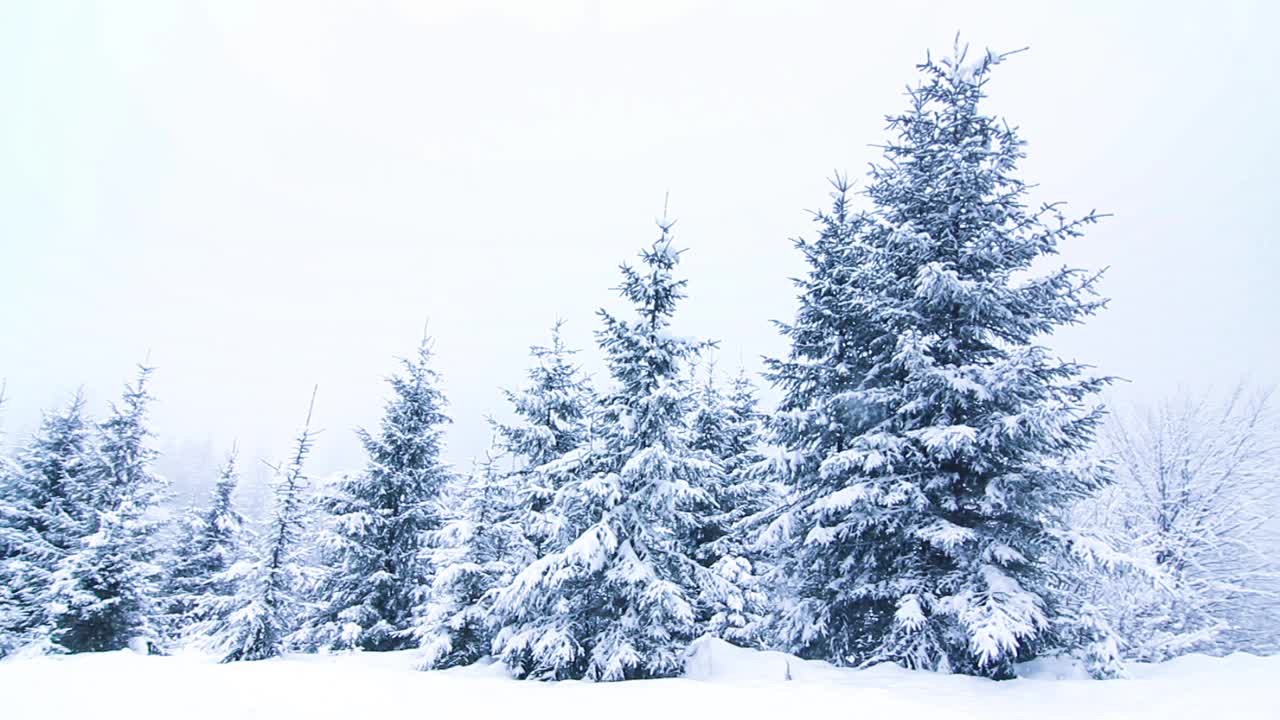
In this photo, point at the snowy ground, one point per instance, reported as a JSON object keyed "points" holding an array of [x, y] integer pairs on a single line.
{"points": [[724, 682]]}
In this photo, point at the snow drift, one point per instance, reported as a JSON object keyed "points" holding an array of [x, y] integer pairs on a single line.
{"points": [[722, 681]]}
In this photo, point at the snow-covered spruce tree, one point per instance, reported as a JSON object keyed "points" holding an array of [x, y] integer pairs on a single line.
{"points": [[104, 590], [376, 521], [934, 446], [475, 554], [254, 623], [709, 416], [210, 542], [12, 613], [618, 600], [41, 520], [727, 427], [752, 491], [553, 411]]}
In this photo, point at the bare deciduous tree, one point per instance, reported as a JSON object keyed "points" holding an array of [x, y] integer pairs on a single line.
{"points": [[1195, 505]]}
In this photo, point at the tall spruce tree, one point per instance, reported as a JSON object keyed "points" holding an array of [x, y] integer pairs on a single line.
{"points": [[935, 445], [104, 590], [475, 554], [617, 601], [553, 414], [42, 508], [377, 521], [209, 543], [255, 622]]}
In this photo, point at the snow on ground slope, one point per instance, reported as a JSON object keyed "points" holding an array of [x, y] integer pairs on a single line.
{"points": [[723, 682]]}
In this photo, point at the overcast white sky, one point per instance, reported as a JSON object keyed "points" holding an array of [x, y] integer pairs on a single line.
{"points": [[267, 196]]}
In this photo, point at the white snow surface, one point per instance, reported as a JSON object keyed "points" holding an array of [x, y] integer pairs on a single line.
{"points": [[722, 681]]}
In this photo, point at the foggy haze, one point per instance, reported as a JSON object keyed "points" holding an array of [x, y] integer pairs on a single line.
{"points": [[263, 199]]}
